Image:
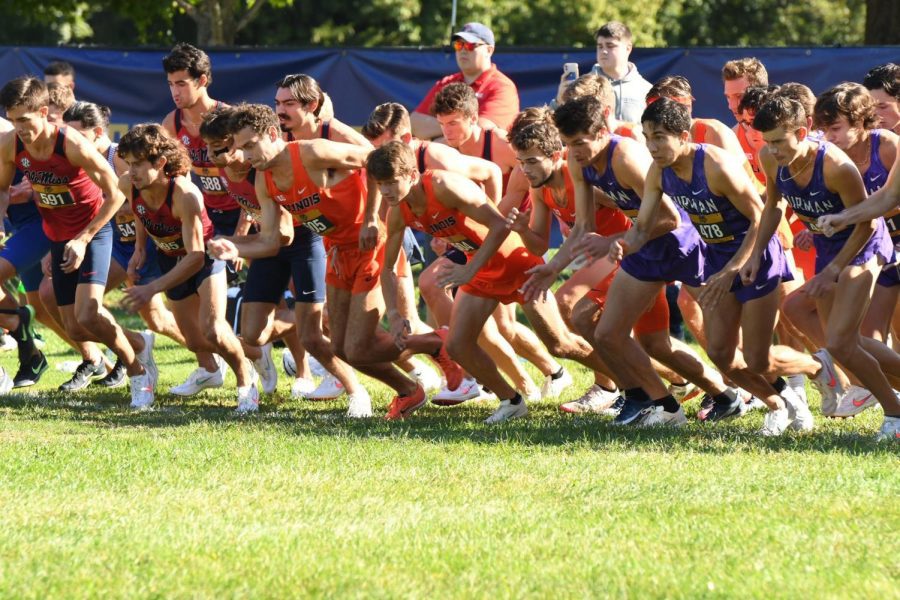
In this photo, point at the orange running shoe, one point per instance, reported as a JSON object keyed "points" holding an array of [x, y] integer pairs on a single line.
{"points": [[453, 373], [403, 406]]}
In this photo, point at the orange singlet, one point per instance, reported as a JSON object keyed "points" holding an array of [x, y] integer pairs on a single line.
{"points": [[336, 213], [502, 275], [607, 221]]}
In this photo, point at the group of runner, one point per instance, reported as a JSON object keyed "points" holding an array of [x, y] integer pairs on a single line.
{"points": [[321, 216]]}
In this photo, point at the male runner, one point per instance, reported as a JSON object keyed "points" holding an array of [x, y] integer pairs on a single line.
{"points": [[714, 190], [883, 83], [319, 183], [77, 197], [818, 180]]}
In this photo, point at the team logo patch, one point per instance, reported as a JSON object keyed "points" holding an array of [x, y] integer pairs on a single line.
{"points": [[26, 163], [140, 209], [185, 140]]}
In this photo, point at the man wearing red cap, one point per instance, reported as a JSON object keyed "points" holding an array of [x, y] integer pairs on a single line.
{"points": [[498, 98]]}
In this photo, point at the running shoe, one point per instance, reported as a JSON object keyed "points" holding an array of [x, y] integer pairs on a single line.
{"points": [[199, 380], [657, 416], [115, 378], [507, 411], [552, 388], [329, 388], [856, 400], [403, 406], [453, 373], [360, 406], [467, 390], [83, 376], [827, 382], [631, 411], [595, 400]]}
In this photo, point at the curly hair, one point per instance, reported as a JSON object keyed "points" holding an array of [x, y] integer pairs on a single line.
{"points": [[582, 115], [799, 92], [216, 124], [391, 160], [749, 67], [150, 142], [28, 92], [780, 111], [389, 116], [755, 96], [534, 127], [850, 100], [455, 97], [672, 116], [61, 96], [185, 57], [257, 117]]}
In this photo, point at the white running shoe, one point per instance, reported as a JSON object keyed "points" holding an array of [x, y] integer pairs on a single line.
{"points": [[552, 388], [655, 416], [360, 406], [302, 387], [890, 430], [798, 410], [248, 400], [595, 400], [467, 390], [856, 400], [265, 366], [532, 394], [6, 382], [827, 383], [288, 363], [683, 393], [329, 389], [507, 411], [199, 380], [141, 391], [145, 356], [425, 376], [775, 422]]}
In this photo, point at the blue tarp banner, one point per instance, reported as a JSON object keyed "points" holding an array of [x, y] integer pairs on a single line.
{"points": [[133, 85]]}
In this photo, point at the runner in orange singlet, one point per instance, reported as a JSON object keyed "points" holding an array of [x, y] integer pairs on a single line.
{"points": [[319, 182], [450, 206]]}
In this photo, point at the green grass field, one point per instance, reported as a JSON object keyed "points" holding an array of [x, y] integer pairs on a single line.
{"points": [[190, 501]]}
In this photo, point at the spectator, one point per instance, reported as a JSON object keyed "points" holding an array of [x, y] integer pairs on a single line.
{"points": [[59, 71], [883, 83], [498, 98], [630, 88]]}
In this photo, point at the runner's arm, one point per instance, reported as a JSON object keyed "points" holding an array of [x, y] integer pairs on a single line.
{"points": [[82, 154], [479, 170], [187, 206], [396, 228]]}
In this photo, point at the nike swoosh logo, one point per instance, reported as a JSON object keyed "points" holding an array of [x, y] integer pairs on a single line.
{"points": [[301, 190], [204, 380], [815, 193], [695, 192], [874, 178], [858, 403], [435, 215], [305, 293], [759, 287]]}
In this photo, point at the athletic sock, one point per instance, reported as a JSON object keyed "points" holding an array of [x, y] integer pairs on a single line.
{"points": [[517, 399], [636, 395], [669, 403], [558, 374], [779, 384], [606, 389], [723, 398]]}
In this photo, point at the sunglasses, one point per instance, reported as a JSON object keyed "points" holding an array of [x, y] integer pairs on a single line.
{"points": [[459, 44]]}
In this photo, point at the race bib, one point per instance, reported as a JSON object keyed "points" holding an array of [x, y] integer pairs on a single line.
{"points": [[461, 243], [126, 226], [210, 180], [711, 228], [316, 222], [172, 244], [53, 196]]}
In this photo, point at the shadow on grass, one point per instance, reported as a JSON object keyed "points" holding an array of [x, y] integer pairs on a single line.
{"points": [[545, 426]]}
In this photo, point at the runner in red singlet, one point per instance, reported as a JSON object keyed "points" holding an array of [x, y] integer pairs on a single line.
{"points": [[77, 196]]}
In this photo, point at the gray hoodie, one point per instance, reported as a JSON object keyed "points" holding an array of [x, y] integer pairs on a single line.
{"points": [[630, 91]]}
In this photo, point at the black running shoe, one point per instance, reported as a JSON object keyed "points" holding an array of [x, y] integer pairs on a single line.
{"points": [[115, 378], [631, 410], [616, 407], [724, 410], [84, 374], [30, 370]]}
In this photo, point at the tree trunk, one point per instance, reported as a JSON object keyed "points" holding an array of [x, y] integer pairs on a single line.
{"points": [[882, 22], [218, 21]]}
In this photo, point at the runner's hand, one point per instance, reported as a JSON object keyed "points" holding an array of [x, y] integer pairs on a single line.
{"points": [[617, 250], [136, 263], [804, 239], [593, 246], [400, 329], [542, 278], [222, 249], [822, 284], [368, 235], [749, 270], [715, 288], [829, 224], [73, 255], [518, 221], [136, 297], [451, 275]]}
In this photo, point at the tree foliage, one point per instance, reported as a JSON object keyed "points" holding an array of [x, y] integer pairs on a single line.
{"points": [[427, 22]]}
